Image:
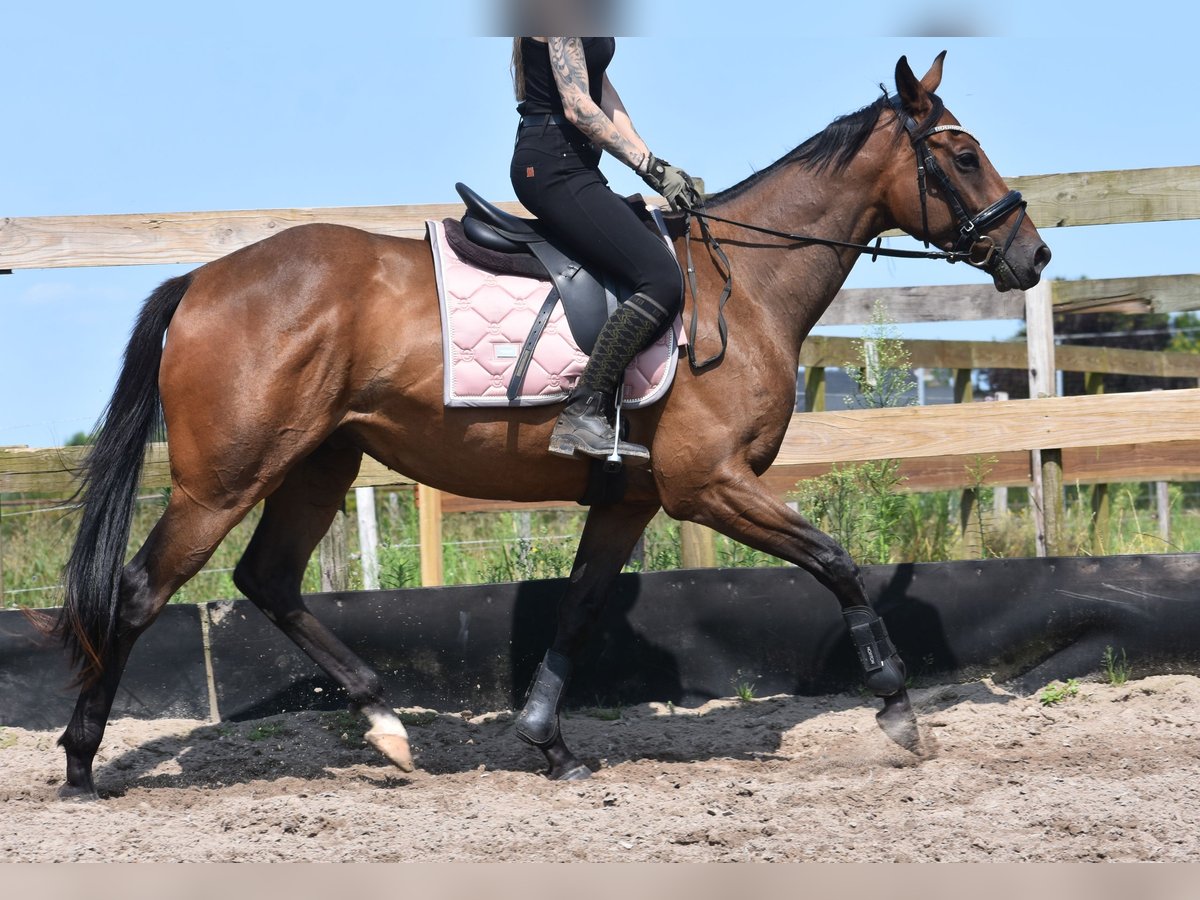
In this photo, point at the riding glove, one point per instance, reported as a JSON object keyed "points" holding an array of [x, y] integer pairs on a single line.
{"points": [[672, 182]]}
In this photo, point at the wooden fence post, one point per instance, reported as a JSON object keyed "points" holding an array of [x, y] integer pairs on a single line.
{"points": [[429, 517], [1093, 383], [1000, 491], [968, 508], [368, 537], [334, 556], [814, 388], [638, 555], [1047, 462], [1163, 497], [697, 546], [3, 602], [1162, 505], [524, 522]]}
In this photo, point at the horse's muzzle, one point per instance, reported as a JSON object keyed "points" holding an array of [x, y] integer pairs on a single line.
{"points": [[1010, 275]]}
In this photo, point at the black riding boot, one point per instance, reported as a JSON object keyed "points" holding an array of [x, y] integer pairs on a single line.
{"points": [[585, 426]]}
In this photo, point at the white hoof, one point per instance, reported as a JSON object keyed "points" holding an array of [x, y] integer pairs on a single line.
{"points": [[387, 735]]}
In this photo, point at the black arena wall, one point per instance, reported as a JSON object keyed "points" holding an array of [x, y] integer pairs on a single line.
{"points": [[684, 636]]}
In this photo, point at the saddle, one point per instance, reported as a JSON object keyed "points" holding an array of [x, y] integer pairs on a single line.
{"points": [[492, 239]]}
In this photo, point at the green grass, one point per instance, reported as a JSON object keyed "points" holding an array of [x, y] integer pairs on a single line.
{"points": [[266, 731], [417, 717], [349, 725], [743, 686], [497, 547], [1116, 671], [1056, 692], [604, 713]]}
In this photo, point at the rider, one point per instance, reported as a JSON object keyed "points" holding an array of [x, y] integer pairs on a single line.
{"points": [[570, 113]]}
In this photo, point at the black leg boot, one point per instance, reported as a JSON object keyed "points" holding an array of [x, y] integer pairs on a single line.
{"points": [[585, 425]]}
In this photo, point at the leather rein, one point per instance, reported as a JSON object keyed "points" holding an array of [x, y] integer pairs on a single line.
{"points": [[972, 246]]}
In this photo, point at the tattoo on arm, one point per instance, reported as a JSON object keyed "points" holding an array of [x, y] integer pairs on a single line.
{"points": [[610, 103], [570, 74]]}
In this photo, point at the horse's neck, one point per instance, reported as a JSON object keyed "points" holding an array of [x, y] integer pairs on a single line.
{"points": [[792, 286]]}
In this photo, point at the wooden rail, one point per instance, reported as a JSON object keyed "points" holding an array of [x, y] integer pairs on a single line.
{"points": [[839, 351], [821, 439], [982, 428], [1166, 461], [1079, 198]]}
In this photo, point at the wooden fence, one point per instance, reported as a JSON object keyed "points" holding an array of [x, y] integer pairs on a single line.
{"points": [[1035, 443]]}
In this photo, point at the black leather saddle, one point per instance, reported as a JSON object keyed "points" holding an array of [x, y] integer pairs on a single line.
{"points": [[492, 239]]}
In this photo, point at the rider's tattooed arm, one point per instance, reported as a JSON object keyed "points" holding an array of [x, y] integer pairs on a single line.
{"points": [[611, 105], [570, 74]]}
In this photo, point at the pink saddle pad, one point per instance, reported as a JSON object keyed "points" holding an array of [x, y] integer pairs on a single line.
{"points": [[485, 320]]}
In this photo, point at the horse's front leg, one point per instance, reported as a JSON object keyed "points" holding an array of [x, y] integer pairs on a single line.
{"points": [[739, 506], [608, 539]]}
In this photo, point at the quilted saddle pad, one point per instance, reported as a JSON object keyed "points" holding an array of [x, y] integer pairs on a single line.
{"points": [[485, 320]]}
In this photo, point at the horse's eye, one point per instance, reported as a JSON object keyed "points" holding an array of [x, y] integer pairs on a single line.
{"points": [[967, 161]]}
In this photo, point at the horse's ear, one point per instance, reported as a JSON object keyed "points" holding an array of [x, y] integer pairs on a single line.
{"points": [[934, 76], [913, 93]]}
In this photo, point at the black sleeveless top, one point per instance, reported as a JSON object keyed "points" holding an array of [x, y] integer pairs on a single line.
{"points": [[541, 90]]}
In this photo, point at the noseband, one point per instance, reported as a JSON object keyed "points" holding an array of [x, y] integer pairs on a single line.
{"points": [[972, 245]]}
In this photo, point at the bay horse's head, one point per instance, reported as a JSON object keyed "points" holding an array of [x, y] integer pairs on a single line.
{"points": [[942, 188]]}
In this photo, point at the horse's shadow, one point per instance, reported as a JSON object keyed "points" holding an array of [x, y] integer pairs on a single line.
{"points": [[323, 747]]}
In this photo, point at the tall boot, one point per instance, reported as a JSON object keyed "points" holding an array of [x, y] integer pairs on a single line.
{"points": [[585, 425]]}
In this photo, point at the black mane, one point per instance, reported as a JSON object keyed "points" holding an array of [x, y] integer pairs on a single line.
{"points": [[834, 147]]}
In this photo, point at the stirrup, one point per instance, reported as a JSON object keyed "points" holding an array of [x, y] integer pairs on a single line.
{"points": [[599, 441], [613, 462]]}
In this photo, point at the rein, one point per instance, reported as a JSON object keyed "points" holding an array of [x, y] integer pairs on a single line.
{"points": [[970, 228], [714, 247]]}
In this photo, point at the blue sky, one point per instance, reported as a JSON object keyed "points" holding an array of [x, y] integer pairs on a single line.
{"points": [[152, 107]]}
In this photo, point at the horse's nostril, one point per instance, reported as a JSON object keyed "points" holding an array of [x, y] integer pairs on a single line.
{"points": [[1041, 258]]}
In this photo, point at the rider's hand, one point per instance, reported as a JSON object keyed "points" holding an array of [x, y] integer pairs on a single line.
{"points": [[672, 182]]}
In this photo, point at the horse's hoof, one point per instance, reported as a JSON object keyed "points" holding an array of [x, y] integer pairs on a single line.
{"points": [[71, 793], [394, 747], [899, 722], [577, 773]]}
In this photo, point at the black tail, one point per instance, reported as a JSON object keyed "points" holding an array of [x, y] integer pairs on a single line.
{"points": [[87, 624]]}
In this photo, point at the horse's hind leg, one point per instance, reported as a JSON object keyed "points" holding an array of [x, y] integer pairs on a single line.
{"points": [[608, 539], [737, 504], [177, 548], [294, 520]]}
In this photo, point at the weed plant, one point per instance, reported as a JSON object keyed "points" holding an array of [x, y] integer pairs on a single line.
{"points": [[1056, 692], [1116, 671]]}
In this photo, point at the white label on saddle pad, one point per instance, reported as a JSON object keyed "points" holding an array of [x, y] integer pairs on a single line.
{"points": [[506, 351]]}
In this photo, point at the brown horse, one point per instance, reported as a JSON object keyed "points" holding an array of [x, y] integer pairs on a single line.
{"points": [[289, 359]]}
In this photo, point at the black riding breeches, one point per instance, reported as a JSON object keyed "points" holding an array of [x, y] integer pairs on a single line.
{"points": [[556, 176]]}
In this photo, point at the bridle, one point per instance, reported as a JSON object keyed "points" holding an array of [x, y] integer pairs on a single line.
{"points": [[972, 246]]}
